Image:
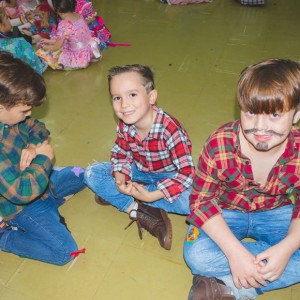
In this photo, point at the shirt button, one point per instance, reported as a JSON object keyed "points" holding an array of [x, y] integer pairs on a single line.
{"points": [[250, 183]]}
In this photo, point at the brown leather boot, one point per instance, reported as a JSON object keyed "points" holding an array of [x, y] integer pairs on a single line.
{"points": [[209, 289], [155, 221], [101, 201]]}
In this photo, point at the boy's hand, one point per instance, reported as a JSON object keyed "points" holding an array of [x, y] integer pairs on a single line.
{"points": [[272, 262], [45, 149], [123, 186], [27, 155], [244, 271], [141, 193]]}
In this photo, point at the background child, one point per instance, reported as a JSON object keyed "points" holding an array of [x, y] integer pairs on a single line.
{"points": [[246, 175], [18, 47], [95, 22], [73, 46], [42, 21], [30, 190], [152, 148]]}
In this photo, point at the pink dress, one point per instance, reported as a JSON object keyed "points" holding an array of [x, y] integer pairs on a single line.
{"points": [[78, 49], [79, 46]]}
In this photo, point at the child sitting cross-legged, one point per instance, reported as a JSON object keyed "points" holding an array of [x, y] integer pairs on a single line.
{"points": [[151, 168], [73, 46]]}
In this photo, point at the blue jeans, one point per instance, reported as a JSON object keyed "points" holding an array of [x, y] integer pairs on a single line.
{"points": [[39, 234], [267, 228], [98, 177]]}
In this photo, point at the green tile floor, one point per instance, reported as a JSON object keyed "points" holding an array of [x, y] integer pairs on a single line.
{"points": [[197, 52]]}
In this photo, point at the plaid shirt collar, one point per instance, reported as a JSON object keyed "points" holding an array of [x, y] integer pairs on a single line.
{"points": [[155, 128]]}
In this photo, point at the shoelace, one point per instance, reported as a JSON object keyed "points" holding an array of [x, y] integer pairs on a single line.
{"points": [[137, 223], [139, 226]]}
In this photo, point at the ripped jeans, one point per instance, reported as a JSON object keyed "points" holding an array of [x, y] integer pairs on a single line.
{"points": [[39, 233]]}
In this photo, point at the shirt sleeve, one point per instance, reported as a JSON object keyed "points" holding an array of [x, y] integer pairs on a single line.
{"points": [[121, 157], [37, 131], [180, 150], [205, 187], [21, 187]]}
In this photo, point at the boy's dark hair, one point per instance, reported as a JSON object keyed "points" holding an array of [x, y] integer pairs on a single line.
{"points": [[145, 72], [270, 86], [64, 6], [19, 83]]}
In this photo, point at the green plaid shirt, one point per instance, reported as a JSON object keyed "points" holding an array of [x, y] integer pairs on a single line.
{"points": [[18, 188]]}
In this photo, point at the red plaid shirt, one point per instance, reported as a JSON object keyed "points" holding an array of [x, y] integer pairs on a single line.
{"points": [[224, 178], [167, 148]]}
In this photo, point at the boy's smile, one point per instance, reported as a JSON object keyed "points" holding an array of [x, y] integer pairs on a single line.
{"points": [[131, 102]]}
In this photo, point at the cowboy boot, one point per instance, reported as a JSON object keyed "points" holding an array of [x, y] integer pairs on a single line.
{"points": [[155, 221]]}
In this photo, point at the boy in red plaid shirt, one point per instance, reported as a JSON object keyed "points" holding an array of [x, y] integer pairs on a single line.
{"points": [[247, 172], [151, 167]]}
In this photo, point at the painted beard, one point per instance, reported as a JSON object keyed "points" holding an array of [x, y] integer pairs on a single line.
{"points": [[262, 146]]}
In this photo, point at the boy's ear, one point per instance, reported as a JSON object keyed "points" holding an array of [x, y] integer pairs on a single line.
{"points": [[296, 117], [152, 96]]}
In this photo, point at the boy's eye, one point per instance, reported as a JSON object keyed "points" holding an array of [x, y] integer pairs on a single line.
{"points": [[275, 116], [133, 95], [116, 98], [249, 113]]}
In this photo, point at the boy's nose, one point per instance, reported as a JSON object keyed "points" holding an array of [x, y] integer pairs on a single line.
{"points": [[261, 122], [124, 103]]}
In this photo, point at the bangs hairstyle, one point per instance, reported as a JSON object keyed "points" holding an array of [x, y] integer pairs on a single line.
{"points": [[269, 87], [19, 83], [145, 73]]}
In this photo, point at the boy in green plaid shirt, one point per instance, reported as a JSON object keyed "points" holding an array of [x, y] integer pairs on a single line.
{"points": [[30, 188]]}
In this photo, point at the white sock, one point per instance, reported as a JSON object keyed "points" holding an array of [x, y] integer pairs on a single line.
{"points": [[240, 294], [133, 211]]}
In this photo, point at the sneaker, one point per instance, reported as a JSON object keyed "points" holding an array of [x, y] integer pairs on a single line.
{"points": [[101, 201], [204, 288], [156, 222]]}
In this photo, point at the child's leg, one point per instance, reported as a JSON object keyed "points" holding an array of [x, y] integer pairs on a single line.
{"points": [[151, 180], [98, 178], [66, 181], [271, 227], [205, 258], [179, 206], [40, 234]]}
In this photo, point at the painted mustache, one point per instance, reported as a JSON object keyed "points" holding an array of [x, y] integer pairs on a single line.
{"points": [[272, 132]]}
